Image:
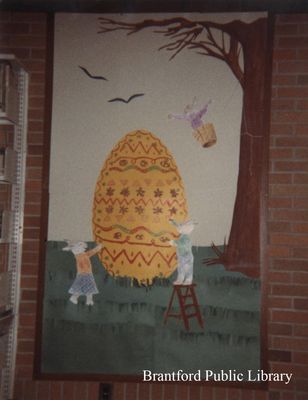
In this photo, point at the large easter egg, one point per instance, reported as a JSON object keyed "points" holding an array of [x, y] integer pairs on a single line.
{"points": [[138, 191]]}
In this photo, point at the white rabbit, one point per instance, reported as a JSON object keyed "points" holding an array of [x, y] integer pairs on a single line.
{"points": [[184, 253], [84, 283]]}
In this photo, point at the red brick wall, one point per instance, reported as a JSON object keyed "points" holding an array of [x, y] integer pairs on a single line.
{"points": [[25, 35], [288, 204]]}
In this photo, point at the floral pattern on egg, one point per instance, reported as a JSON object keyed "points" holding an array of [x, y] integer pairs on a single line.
{"points": [[138, 191]]}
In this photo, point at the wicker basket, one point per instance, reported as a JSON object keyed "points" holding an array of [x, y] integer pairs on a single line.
{"points": [[206, 135]]}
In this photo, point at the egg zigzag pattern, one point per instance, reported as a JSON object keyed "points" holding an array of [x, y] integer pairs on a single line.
{"points": [[143, 159], [140, 146], [136, 229], [139, 254], [143, 170], [154, 203], [128, 241]]}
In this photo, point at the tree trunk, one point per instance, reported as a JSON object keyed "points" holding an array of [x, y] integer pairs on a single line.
{"points": [[243, 249]]}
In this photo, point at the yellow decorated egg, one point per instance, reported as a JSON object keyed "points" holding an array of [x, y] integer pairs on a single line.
{"points": [[138, 191]]}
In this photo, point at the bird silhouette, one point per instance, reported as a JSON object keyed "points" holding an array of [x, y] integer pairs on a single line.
{"points": [[99, 77], [126, 101]]}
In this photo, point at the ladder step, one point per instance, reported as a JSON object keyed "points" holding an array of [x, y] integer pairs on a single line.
{"points": [[190, 305], [175, 315], [181, 316], [186, 296], [191, 315]]}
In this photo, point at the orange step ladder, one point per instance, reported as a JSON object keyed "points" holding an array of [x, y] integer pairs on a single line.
{"points": [[189, 306]]}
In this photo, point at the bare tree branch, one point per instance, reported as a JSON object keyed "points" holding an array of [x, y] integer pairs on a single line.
{"points": [[109, 25], [185, 38], [207, 50], [184, 33]]}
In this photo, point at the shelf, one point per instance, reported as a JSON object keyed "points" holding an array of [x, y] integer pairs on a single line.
{"points": [[6, 318], [4, 291], [4, 340], [6, 224], [9, 89], [8, 159]]}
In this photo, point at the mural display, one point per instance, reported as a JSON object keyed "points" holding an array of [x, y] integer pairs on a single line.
{"points": [[150, 243]]}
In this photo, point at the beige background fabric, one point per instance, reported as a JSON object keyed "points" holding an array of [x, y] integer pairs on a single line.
{"points": [[86, 127]]}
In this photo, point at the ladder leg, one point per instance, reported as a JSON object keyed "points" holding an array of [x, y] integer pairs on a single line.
{"points": [[182, 307], [197, 307], [169, 306]]}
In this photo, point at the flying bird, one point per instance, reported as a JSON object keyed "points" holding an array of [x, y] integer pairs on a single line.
{"points": [[128, 100], [99, 77]]}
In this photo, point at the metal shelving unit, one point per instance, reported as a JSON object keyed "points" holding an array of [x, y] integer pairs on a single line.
{"points": [[13, 119]]}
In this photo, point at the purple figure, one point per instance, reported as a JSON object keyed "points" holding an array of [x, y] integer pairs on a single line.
{"points": [[194, 117]]}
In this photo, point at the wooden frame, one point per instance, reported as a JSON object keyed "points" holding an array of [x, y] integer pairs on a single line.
{"points": [[230, 258]]}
